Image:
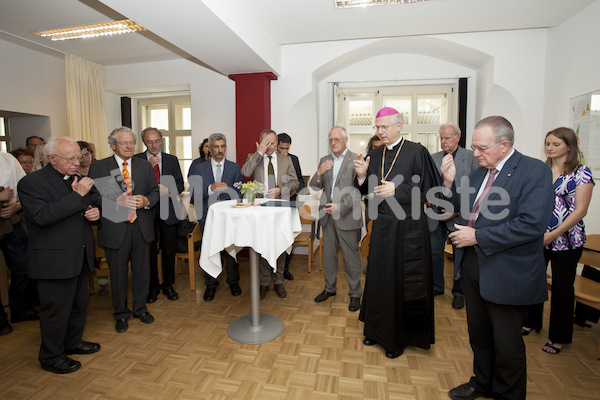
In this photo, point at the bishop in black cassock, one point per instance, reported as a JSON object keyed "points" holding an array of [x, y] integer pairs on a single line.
{"points": [[397, 306]]}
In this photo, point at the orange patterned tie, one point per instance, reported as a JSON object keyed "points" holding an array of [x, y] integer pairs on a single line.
{"points": [[131, 216]]}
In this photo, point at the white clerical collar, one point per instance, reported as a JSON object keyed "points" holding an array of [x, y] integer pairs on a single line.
{"points": [[391, 146]]}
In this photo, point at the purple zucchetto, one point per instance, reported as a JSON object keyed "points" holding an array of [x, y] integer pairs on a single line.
{"points": [[385, 111]]}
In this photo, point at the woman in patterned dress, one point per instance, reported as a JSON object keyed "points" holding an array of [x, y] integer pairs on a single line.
{"points": [[565, 236]]}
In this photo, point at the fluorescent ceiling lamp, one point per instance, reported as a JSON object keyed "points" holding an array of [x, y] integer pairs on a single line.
{"points": [[368, 3], [87, 31]]}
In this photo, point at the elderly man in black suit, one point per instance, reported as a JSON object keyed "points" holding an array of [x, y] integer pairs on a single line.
{"points": [[127, 191], [58, 211], [163, 165]]}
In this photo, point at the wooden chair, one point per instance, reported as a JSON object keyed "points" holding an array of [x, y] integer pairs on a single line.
{"points": [[364, 245], [192, 256], [100, 257], [307, 238]]}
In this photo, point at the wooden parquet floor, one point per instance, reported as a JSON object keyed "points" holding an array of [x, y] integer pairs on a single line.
{"points": [[186, 353]]}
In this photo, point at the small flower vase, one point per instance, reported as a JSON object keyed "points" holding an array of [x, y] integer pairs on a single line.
{"points": [[251, 196]]}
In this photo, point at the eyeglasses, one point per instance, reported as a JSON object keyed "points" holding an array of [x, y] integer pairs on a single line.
{"points": [[384, 128], [70, 160], [157, 141], [483, 149], [130, 143], [336, 140]]}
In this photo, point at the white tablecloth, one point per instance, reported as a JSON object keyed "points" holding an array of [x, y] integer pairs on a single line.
{"points": [[268, 230]]}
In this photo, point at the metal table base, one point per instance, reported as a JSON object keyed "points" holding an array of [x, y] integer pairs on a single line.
{"points": [[255, 328]]}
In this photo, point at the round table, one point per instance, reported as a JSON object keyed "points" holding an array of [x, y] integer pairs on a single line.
{"points": [[268, 232]]}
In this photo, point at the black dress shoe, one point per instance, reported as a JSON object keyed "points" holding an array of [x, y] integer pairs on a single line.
{"points": [[437, 293], [458, 302], [369, 342], [287, 275], [5, 327], [466, 392], [121, 325], [28, 316], [354, 304], [209, 294], [170, 293], [324, 296], [236, 290], [84, 348], [145, 317], [396, 353], [263, 291], [152, 295], [525, 332], [63, 366]]}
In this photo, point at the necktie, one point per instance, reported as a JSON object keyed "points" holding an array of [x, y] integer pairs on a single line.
{"points": [[270, 175], [219, 175], [131, 215], [157, 173], [477, 204]]}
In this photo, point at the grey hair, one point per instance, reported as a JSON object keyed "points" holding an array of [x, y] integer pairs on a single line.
{"points": [[50, 147], [344, 132], [216, 136], [112, 138], [265, 132], [148, 129], [450, 125], [397, 118], [501, 128]]}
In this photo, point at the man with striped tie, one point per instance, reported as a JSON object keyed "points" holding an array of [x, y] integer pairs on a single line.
{"points": [[127, 191]]}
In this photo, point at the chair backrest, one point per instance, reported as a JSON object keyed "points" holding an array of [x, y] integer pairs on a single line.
{"points": [[306, 217], [196, 234], [364, 245], [592, 242], [98, 250]]}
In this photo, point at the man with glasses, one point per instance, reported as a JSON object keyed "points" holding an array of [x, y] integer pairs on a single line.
{"points": [[397, 306], [342, 219], [163, 164], [276, 172], [58, 211], [499, 250], [127, 191], [465, 163]]}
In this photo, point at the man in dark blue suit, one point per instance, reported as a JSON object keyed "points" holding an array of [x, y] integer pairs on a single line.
{"points": [[163, 165], [217, 179], [284, 141], [127, 191], [500, 253]]}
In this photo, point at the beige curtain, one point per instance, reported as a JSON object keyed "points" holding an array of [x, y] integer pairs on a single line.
{"points": [[85, 104]]}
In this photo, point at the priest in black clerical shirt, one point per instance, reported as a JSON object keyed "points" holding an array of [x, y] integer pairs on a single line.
{"points": [[397, 306]]}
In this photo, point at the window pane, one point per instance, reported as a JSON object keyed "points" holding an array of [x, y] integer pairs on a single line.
{"points": [[432, 109], [183, 147], [3, 147], [361, 112], [2, 133], [185, 167], [429, 140], [165, 145], [183, 116], [159, 117], [402, 103]]}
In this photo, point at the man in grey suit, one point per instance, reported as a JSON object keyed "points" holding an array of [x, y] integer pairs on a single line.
{"points": [[277, 173], [343, 216], [127, 191], [465, 163]]}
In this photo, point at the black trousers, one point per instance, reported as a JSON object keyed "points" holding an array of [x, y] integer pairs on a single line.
{"points": [[232, 270], [166, 237], [135, 249], [564, 268], [499, 360], [62, 314]]}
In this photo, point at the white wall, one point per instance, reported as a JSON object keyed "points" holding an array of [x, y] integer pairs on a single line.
{"points": [[506, 69], [573, 69], [33, 83], [212, 94]]}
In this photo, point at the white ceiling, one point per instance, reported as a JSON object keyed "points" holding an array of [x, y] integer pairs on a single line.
{"points": [[239, 36]]}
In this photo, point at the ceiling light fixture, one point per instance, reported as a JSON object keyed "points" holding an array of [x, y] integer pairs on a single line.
{"points": [[93, 30], [368, 3]]}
